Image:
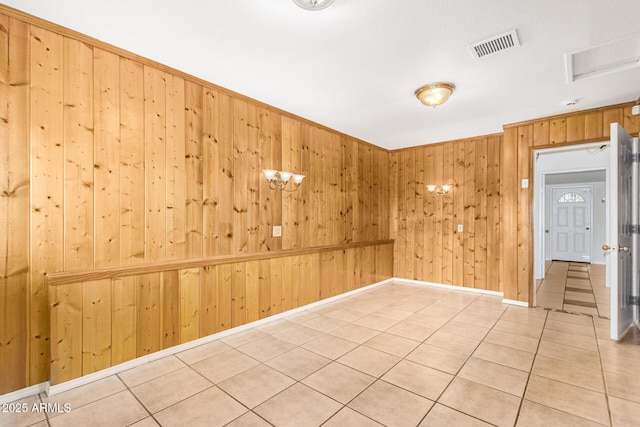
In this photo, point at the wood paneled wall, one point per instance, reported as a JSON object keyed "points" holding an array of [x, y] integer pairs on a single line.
{"points": [[100, 323], [520, 140], [109, 159], [428, 246]]}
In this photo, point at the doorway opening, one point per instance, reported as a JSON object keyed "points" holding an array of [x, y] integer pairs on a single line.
{"points": [[570, 226]]}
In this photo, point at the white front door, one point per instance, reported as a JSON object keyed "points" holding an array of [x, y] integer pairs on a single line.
{"points": [[623, 233], [571, 223]]}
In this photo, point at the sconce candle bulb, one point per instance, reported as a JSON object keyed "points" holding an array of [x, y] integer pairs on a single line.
{"points": [[279, 179], [439, 190]]}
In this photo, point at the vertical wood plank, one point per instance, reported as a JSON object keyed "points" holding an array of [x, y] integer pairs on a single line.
{"points": [[275, 133], [66, 332], [420, 190], [96, 326], [276, 285], [592, 125], [124, 319], [447, 220], [208, 301], [225, 175], [401, 240], [410, 205], [149, 316], [224, 296], [238, 294], [47, 163], [132, 162], [524, 215], [469, 213], [493, 214], [265, 195], [253, 173], [107, 157], [14, 205], [393, 202], [458, 212], [541, 133], [155, 164], [509, 209], [176, 168], [480, 227], [304, 192], [264, 288], [189, 304], [557, 130], [78, 152], [211, 165], [241, 176], [575, 127], [286, 295], [311, 278], [170, 289], [438, 159], [427, 210], [194, 168], [252, 287]]}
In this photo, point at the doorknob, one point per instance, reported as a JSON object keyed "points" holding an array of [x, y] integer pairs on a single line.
{"points": [[624, 249], [607, 248]]}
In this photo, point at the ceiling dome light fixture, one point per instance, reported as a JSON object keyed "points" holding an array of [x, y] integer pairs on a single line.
{"points": [[313, 4], [435, 94]]}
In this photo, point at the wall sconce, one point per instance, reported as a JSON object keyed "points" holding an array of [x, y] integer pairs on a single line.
{"points": [[439, 190], [280, 179]]}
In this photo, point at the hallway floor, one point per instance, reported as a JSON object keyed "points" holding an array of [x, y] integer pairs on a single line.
{"points": [[395, 355], [575, 287]]}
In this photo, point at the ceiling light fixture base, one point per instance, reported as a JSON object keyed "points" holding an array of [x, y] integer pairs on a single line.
{"points": [[434, 94]]}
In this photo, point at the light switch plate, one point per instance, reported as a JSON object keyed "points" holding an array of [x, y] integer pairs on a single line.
{"points": [[460, 228], [277, 231], [525, 183]]}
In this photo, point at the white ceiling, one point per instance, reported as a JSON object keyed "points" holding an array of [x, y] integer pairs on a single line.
{"points": [[354, 66]]}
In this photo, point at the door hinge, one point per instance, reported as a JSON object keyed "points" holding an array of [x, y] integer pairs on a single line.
{"points": [[633, 300], [633, 228], [635, 157]]}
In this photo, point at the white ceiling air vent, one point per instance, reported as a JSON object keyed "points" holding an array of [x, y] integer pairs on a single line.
{"points": [[495, 44], [604, 58]]}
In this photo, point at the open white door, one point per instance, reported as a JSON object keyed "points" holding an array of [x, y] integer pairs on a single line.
{"points": [[623, 208]]}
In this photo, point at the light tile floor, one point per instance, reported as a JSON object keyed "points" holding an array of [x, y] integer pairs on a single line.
{"points": [[395, 355], [575, 288]]}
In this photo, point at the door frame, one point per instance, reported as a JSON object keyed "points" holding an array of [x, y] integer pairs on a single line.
{"points": [[539, 200]]}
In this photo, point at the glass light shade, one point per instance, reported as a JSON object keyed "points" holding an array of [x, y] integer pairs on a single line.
{"points": [[435, 93], [285, 176], [313, 4], [297, 179], [431, 188], [446, 188], [269, 174]]}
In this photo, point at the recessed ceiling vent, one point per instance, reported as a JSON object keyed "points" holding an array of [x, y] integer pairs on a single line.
{"points": [[616, 55], [495, 44]]}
